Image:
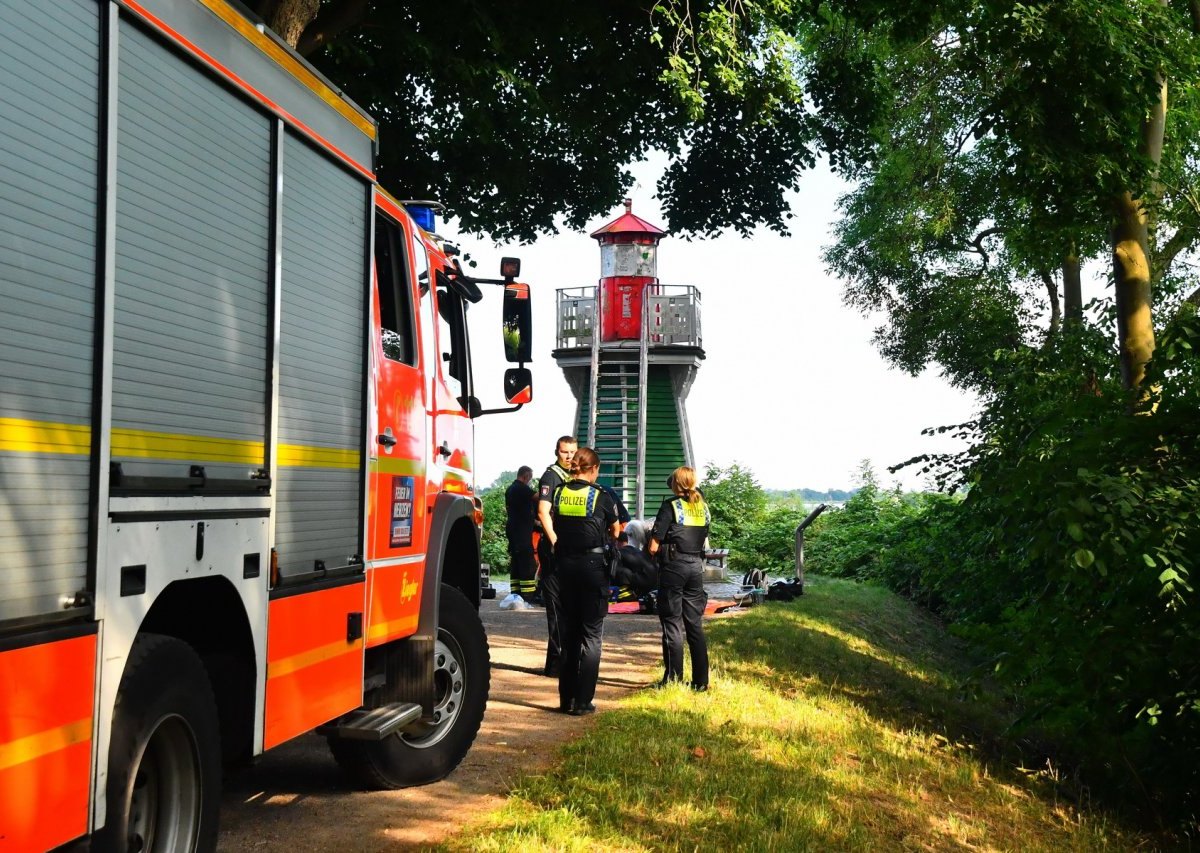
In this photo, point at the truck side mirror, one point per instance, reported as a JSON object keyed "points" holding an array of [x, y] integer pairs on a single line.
{"points": [[517, 325], [518, 385]]}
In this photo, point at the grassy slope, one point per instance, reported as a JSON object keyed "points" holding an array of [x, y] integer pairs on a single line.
{"points": [[835, 722]]}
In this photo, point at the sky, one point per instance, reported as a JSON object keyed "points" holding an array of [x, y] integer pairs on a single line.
{"points": [[792, 386]]}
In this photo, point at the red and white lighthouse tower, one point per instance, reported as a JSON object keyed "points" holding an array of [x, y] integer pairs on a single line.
{"points": [[630, 347], [628, 265]]}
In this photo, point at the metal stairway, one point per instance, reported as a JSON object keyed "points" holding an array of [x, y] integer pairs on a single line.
{"points": [[613, 429], [626, 388]]}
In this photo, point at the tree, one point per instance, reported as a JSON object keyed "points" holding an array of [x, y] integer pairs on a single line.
{"points": [[1006, 146], [735, 499], [1026, 154], [520, 113]]}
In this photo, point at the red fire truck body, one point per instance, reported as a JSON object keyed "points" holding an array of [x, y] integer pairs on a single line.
{"points": [[236, 404]]}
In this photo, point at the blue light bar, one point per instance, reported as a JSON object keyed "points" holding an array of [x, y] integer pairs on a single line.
{"points": [[424, 213]]}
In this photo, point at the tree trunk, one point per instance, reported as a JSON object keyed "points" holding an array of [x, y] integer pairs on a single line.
{"points": [[1072, 289], [1055, 313], [1131, 270], [1131, 258], [289, 18]]}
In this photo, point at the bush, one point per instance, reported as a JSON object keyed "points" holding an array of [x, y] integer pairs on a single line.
{"points": [[737, 503], [769, 544], [493, 543], [1071, 558]]}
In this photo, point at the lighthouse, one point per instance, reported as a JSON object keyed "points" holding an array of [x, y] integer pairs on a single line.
{"points": [[630, 347]]}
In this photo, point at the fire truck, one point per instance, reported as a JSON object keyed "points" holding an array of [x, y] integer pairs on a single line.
{"points": [[236, 407]]}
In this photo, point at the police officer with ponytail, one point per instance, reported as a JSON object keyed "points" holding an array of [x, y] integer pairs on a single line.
{"points": [[548, 583], [582, 522], [678, 536]]}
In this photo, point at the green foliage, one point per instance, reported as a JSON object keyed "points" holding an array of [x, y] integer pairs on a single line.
{"points": [[993, 140], [523, 119], [736, 500], [1072, 559], [855, 540], [770, 543], [493, 543]]}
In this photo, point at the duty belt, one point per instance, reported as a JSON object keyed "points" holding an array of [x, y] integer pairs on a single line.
{"points": [[597, 550]]}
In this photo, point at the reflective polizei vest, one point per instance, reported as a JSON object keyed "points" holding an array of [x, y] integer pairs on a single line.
{"points": [[691, 514], [688, 529], [578, 519], [575, 501], [563, 473]]}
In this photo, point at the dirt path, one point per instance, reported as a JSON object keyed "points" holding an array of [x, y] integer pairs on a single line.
{"points": [[296, 799]]}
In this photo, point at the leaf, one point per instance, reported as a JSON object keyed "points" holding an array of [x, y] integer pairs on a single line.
{"points": [[1075, 531], [1149, 561], [1084, 558]]}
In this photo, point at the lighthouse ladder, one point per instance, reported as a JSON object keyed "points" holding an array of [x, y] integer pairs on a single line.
{"points": [[616, 416]]}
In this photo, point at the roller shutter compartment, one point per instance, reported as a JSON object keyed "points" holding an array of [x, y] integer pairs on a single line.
{"points": [[190, 354], [321, 362], [49, 144]]}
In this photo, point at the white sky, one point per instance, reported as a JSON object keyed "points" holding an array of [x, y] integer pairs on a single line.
{"points": [[792, 386]]}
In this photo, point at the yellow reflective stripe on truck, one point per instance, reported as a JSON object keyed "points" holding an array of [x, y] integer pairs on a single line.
{"points": [[164, 445], [25, 436], [302, 456], [21, 436], [267, 45], [26, 749]]}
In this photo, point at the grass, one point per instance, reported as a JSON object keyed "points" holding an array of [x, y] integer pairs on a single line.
{"points": [[835, 722]]}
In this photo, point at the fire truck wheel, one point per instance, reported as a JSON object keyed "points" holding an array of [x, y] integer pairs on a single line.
{"points": [[164, 758], [462, 676]]}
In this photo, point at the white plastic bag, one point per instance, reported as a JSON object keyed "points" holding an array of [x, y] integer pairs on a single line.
{"points": [[512, 601]]}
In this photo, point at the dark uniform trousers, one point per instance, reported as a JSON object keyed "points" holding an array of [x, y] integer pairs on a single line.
{"points": [[522, 568], [681, 601], [583, 591], [549, 586]]}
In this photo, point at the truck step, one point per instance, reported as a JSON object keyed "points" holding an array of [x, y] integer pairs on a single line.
{"points": [[372, 723]]}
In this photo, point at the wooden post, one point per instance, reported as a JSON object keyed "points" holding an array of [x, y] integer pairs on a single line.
{"points": [[809, 519]]}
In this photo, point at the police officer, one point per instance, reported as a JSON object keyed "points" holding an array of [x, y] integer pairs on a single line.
{"points": [[518, 528], [680, 529], [581, 523], [557, 474]]}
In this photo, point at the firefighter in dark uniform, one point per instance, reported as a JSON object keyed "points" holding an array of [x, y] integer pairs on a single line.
{"points": [[548, 582], [582, 523], [680, 530], [518, 529]]}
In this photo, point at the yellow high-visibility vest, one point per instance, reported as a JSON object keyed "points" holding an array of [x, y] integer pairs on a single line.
{"points": [[691, 514]]}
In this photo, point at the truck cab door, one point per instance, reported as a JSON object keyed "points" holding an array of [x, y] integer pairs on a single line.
{"points": [[397, 523], [455, 434]]}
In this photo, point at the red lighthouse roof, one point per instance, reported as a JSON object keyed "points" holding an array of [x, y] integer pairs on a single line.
{"points": [[627, 223]]}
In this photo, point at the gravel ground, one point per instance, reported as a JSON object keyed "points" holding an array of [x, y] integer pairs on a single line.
{"points": [[296, 799]]}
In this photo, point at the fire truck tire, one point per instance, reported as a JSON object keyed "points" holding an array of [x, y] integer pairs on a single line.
{"points": [[164, 758], [428, 753]]}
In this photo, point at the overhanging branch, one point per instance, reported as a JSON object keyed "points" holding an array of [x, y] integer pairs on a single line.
{"points": [[333, 20], [1180, 240], [977, 243], [1055, 311]]}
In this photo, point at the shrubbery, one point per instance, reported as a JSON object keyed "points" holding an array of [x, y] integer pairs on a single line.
{"points": [[494, 544], [1070, 561]]}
